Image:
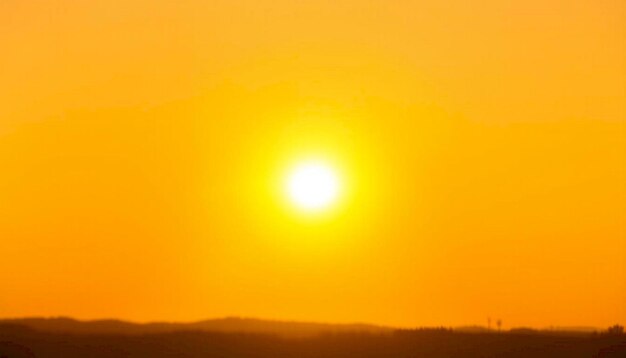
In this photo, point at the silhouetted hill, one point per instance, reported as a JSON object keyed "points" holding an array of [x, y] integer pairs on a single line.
{"points": [[223, 325], [18, 341]]}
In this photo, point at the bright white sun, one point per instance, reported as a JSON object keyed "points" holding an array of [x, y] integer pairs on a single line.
{"points": [[312, 186]]}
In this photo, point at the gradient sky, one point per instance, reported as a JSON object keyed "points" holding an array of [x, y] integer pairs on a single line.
{"points": [[482, 145]]}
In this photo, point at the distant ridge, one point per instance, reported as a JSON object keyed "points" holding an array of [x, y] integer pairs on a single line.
{"points": [[246, 338], [224, 325]]}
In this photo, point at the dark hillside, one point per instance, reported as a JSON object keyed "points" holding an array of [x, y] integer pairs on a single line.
{"points": [[18, 341]]}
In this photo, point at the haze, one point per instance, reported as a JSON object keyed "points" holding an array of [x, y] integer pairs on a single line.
{"points": [[481, 152]]}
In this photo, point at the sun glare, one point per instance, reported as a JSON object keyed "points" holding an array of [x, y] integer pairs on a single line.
{"points": [[313, 186]]}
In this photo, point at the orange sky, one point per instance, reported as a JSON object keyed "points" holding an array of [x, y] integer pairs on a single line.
{"points": [[481, 145]]}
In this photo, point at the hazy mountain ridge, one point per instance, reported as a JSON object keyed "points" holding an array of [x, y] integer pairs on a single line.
{"points": [[220, 325], [248, 338], [248, 325]]}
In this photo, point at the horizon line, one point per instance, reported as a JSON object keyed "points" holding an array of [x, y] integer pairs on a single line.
{"points": [[588, 328]]}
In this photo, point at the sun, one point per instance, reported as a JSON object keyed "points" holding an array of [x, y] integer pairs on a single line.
{"points": [[313, 186]]}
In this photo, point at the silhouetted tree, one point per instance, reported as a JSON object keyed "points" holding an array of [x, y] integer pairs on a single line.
{"points": [[615, 330], [499, 324]]}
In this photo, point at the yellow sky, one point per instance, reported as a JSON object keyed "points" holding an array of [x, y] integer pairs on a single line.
{"points": [[481, 146]]}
